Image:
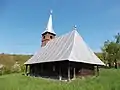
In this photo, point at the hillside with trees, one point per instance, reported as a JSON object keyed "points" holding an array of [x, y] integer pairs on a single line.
{"points": [[9, 61]]}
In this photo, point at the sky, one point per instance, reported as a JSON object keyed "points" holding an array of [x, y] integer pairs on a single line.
{"points": [[23, 21]]}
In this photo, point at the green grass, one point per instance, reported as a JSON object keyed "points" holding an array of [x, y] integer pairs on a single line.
{"points": [[109, 79]]}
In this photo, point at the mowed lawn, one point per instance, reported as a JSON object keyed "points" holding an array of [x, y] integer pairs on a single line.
{"points": [[109, 79]]}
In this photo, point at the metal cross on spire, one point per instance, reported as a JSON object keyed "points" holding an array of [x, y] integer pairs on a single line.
{"points": [[75, 27]]}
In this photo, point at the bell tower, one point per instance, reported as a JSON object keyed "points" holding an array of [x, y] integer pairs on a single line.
{"points": [[49, 33]]}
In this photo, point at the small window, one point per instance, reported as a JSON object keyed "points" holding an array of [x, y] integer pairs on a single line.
{"points": [[43, 37], [51, 37]]}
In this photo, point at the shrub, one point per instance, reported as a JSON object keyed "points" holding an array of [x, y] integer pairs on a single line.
{"points": [[16, 68], [6, 70]]}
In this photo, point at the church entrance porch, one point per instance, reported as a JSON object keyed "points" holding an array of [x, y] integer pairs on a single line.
{"points": [[61, 70]]}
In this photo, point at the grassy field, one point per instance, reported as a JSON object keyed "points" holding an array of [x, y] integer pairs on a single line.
{"points": [[109, 79]]}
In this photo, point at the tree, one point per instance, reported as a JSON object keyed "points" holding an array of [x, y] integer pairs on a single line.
{"points": [[105, 54], [111, 51], [117, 38]]}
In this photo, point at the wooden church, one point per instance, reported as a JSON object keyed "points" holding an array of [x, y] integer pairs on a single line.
{"points": [[63, 57]]}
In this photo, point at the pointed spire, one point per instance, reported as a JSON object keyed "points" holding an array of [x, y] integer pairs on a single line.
{"points": [[49, 27]]}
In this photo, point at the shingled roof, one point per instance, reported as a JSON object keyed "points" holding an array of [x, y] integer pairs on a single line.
{"points": [[69, 47]]}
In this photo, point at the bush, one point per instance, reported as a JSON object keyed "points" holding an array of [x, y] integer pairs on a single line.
{"points": [[0, 72], [5, 70], [22, 68], [16, 68]]}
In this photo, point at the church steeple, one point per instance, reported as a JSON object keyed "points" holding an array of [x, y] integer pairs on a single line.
{"points": [[49, 33], [49, 27]]}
